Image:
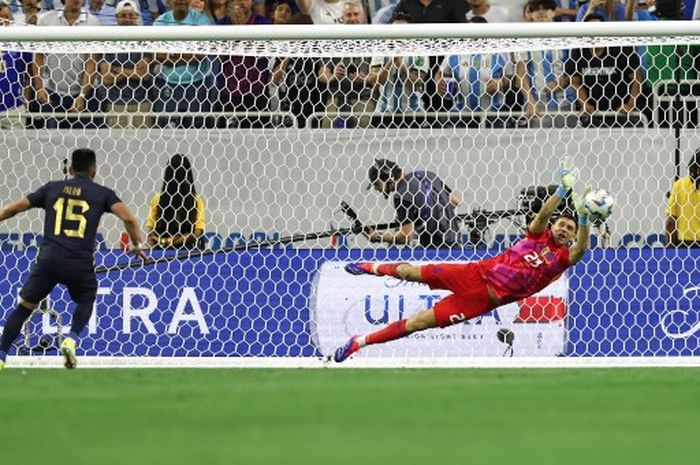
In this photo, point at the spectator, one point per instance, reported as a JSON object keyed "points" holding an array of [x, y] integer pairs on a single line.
{"points": [[400, 79], [527, 13], [13, 78], [126, 77], [385, 14], [683, 211], [322, 11], [151, 10], [346, 78], [434, 11], [669, 63], [473, 83], [176, 216], [282, 12], [566, 11], [185, 83], [200, 6], [217, 10], [483, 8], [297, 80], [29, 15], [63, 82], [241, 12], [609, 10], [540, 77], [104, 13], [605, 78], [245, 78]]}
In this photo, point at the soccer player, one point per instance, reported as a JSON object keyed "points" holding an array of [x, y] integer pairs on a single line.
{"points": [[73, 211], [479, 287]]}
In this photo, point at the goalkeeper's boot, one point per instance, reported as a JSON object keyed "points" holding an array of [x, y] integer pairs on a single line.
{"points": [[68, 351], [350, 347], [358, 268]]}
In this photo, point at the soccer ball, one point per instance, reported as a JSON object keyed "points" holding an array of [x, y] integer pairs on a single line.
{"points": [[600, 203]]}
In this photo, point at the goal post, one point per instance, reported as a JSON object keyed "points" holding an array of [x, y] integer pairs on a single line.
{"points": [[280, 125]]}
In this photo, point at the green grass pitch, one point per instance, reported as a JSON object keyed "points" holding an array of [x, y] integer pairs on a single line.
{"points": [[335, 417]]}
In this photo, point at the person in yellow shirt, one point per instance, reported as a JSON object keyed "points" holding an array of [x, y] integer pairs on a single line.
{"points": [[683, 220], [176, 216]]}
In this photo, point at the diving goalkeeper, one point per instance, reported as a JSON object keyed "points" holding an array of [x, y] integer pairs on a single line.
{"points": [[479, 287]]}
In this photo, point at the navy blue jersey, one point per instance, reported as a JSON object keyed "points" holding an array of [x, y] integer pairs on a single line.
{"points": [[73, 211]]}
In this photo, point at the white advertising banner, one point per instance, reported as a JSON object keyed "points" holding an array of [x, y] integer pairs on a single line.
{"points": [[344, 305]]}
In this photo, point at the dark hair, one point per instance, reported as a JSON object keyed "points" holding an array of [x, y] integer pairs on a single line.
{"points": [[593, 17], [669, 9], [566, 216], [478, 20], [537, 5], [83, 160], [384, 170], [301, 18], [401, 15], [177, 206]]}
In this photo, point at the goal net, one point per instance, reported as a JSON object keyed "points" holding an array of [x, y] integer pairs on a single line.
{"points": [[247, 160]]}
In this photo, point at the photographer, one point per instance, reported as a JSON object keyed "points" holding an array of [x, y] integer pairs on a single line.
{"points": [[425, 206]]}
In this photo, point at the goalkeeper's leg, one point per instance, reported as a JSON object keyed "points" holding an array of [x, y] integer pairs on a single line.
{"points": [[395, 330], [400, 270]]}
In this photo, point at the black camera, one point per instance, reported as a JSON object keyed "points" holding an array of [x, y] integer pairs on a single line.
{"points": [[533, 197]]}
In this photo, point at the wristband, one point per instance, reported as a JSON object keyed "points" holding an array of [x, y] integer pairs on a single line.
{"points": [[561, 191], [583, 220]]}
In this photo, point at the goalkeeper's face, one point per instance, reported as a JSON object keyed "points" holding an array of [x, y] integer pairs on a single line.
{"points": [[564, 231]]}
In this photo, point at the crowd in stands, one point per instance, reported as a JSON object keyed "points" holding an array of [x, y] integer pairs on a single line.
{"points": [[541, 88]]}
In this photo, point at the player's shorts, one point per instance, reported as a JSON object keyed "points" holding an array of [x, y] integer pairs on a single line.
{"points": [[470, 296], [79, 279]]}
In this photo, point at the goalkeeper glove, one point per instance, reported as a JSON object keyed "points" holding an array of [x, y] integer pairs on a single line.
{"points": [[580, 206], [567, 174]]}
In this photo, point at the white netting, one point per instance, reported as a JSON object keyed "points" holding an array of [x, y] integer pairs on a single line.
{"points": [[281, 133]]}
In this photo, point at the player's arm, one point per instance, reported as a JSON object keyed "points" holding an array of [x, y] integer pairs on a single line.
{"points": [[131, 225], [673, 211], [402, 236], [14, 208], [567, 176], [671, 231], [578, 250]]}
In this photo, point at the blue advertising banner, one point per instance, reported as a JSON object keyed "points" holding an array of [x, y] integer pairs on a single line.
{"points": [[621, 302]]}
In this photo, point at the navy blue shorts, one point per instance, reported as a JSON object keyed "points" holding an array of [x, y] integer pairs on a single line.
{"points": [[79, 279]]}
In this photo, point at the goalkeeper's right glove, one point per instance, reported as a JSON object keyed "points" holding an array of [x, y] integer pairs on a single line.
{"points": [[567, 174]]}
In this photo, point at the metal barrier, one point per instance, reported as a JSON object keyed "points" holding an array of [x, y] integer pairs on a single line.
{"points": [[475, 119], [669, 91]]}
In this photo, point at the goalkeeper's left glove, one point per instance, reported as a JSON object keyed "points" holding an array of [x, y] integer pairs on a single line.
{"points": [[567, 174], [580, 206]]}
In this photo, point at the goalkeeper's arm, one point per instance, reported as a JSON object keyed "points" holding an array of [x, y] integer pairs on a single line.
{"points": [[541, 221], [578, 250]]}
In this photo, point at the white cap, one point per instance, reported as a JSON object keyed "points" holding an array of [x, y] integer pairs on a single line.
{"points": [[126, 5]]}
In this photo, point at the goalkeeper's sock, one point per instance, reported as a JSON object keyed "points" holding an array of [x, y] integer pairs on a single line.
{"points": [[395, 330], [13, 326], [81, 317], [387, 269]]}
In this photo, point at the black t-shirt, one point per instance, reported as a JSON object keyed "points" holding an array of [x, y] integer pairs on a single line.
{"points": [[73, 211], [422, 198], [438, 11], [608, 77]]}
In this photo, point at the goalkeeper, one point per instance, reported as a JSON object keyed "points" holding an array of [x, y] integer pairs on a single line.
{"points": [[479, 287]]}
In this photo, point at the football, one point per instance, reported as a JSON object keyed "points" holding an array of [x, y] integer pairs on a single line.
{"points": [[600, 203]]}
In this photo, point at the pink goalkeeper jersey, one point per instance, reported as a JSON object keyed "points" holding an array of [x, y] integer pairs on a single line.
{"points": [[526, 268]]}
